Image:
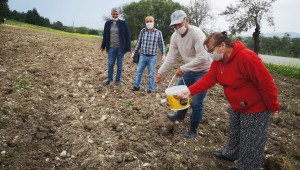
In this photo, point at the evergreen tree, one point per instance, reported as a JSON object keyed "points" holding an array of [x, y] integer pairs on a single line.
{"points": [[4, 10]]}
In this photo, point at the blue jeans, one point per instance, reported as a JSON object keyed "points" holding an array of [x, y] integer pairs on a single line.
{"points": [[197, 100], [115, 54], [150, 62]]}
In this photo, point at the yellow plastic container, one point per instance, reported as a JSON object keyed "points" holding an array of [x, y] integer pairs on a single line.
{"points": [[174, 103]]}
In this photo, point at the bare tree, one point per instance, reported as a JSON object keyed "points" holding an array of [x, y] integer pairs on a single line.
{"points": [[200, 13], [245, 14]]}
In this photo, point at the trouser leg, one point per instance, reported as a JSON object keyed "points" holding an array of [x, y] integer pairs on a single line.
{"points": [[253, 137], [232, 148]]}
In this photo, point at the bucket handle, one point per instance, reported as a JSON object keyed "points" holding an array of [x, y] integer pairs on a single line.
{"points": [[173, 79]]}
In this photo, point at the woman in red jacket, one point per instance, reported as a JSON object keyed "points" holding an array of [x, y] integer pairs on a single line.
{"points": [[251, 92]]}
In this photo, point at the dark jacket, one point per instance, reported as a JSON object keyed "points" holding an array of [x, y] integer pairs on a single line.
{"points": [[124, 36]]}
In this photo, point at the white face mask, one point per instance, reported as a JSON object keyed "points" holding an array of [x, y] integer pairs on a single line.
{"points": [[181, 30], [216, 56], [115, 19], [150, 25]]}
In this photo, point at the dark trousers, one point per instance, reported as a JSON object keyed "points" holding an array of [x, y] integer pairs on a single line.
{"points": [[247, 138]]}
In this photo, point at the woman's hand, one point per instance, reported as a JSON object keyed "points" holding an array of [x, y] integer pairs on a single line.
{"points": [[275, 114], [183, 94]]}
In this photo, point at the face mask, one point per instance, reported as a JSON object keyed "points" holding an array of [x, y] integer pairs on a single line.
{"points": [[150, 25], [216, 56], [181, 30], [115, 19]]}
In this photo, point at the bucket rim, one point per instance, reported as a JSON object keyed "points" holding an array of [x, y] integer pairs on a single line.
{"points": [[179, 87]]}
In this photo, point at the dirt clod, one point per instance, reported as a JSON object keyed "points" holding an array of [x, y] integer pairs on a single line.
{"points": [[56, 114]]}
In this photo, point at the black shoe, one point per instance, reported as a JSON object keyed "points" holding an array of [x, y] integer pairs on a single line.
{"points": [[118, 83], [135, 89], [174, 117], [233, 168], [220, 155], [149, 91], [106, 83], [190, 134]]}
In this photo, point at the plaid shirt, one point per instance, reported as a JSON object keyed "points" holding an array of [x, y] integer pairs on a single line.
{"points": [[149, 42]]}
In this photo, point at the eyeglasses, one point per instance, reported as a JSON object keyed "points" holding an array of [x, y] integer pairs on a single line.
{"points": [[212, 49]]}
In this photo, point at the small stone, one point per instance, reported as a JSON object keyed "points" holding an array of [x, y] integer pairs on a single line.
{"points": [[162, 101], [63, 154], [146, 164], [103, 118]]}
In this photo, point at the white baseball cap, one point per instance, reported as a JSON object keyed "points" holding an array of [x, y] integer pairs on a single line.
{"points": [[177, 17]]}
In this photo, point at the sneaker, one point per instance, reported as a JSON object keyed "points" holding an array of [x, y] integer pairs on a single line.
{"points": [[118, 83], [106, 83], [149, 91], [135, 89], [233, 168]]}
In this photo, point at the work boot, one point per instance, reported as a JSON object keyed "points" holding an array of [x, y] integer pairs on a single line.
{"points": [[106, 83], [175, 117], [135, 89], [191, 133]]}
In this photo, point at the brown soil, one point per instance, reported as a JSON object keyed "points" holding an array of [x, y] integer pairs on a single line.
{"points": [[55, 113]]}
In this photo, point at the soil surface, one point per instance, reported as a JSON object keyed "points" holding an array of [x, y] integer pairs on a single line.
{"points": [[55, 113]]}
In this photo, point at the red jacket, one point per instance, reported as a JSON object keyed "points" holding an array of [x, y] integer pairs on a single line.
{"points": [[248, 85]]}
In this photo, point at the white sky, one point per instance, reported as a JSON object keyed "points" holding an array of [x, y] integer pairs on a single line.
{"points": [[91, 12]]}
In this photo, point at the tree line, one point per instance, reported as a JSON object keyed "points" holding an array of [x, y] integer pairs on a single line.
{"points": [[33, 17], [200, 14], [285, 46]]}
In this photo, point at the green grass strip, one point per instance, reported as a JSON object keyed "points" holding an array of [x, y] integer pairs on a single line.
{"points": [[288, 71], [25, 25]]}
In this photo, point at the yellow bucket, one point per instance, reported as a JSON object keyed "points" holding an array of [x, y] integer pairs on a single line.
{"points": [[174, 103]]}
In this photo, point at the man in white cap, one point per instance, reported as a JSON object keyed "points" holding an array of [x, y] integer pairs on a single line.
{"points": [[187, 40]]}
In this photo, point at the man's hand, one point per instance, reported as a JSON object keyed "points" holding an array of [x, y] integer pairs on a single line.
{"points": [[158, 78], [102, 49], [179, 73], [132, 54]]}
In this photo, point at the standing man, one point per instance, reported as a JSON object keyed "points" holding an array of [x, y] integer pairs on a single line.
{"points": [[187, 40], [116, 41], [149, 40]]}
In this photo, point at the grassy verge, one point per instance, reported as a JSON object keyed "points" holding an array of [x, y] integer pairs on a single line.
{"points": [[288, 71], [25, 25]]}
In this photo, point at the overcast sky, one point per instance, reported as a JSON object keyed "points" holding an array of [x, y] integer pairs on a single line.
{"points": [[90, 13]]}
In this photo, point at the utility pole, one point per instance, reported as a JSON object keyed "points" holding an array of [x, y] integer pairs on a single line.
{"points": [[74, 30]]}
